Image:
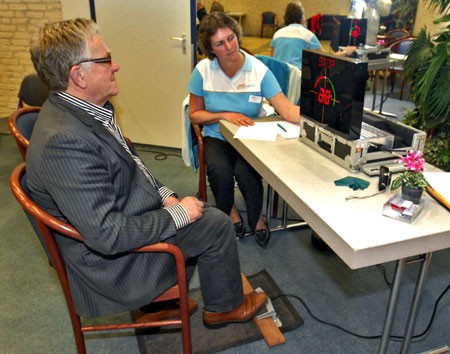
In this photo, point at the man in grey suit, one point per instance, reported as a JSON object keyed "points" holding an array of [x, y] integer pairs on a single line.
{"points": [[81, 169]]}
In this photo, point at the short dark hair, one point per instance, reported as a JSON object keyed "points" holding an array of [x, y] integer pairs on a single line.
{"points": [[294, 13], [210, 24]]}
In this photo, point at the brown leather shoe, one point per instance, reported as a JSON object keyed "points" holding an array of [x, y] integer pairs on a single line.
{"points": [[251, 305], [171, 311]]}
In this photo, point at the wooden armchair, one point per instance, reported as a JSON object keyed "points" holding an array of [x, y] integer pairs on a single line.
{"points": [[51, 228]]}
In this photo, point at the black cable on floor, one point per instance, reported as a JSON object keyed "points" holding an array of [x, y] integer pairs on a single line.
{"points": [[394, 337], [160, 156]]}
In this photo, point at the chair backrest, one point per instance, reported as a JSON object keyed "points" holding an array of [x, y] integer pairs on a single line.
{"points": [[269, 18], [50, 227], [32, 92], [21, 123], [279, 68], [395, 34], [402, 45]]}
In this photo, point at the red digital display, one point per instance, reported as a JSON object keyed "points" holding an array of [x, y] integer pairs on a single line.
{"points": [[323, 86], [332, 92]]}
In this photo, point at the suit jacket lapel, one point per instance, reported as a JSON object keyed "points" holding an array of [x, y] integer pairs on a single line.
{"points": [[99, 130]]}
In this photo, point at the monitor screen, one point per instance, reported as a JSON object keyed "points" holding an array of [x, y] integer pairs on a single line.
{"points": [[332, 92], [352, 32]]}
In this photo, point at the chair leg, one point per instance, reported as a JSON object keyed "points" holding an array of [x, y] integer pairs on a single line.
{"points": [[392, 77], [402, 85]]}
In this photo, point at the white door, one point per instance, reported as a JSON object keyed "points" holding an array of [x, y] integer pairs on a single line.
{"points": [[154, 69]]}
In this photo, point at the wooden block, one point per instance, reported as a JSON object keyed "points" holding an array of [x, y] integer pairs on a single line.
{"points": [[268, 328]]}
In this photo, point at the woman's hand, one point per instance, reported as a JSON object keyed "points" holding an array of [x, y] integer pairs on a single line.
{"points": [[238, 119]]}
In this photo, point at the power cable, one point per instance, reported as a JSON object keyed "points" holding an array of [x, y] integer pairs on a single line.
{"points": [[394, 337]]}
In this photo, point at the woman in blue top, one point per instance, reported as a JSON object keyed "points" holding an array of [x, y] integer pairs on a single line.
{"points": [[289, 42], [231, 84]]}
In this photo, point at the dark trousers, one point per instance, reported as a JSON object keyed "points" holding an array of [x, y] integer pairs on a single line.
{"points": [[224, 164], [211, 243]]}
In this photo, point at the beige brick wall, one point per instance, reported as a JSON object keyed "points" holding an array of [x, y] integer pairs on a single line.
{"points": [[425, 17], [19, 20]]}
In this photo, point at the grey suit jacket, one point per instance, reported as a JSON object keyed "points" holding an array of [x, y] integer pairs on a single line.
{"points": [[77, 171]]}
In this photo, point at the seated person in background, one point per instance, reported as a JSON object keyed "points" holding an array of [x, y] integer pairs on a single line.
{"points": [[216, 6], [201, 12], [372, 10], [289, 42], [230, 84], [81, 170]]}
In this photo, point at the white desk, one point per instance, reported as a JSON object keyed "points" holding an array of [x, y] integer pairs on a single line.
{"points": [[356, 230], [239, 16]]}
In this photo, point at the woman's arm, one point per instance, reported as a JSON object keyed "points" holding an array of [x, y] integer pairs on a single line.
{"points": [[285, 108], [199, 115]]}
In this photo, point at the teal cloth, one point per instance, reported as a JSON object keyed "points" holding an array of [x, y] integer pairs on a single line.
{"points": [[354, 183]]}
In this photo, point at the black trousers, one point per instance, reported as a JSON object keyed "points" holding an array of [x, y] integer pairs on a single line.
{"points": [[224, 165]]}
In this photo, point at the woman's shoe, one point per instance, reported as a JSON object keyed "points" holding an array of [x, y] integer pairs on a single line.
{"points": [[262, 237], [239, 229]]}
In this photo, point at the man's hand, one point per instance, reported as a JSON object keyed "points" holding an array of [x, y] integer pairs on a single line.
{"points": [[193, 207]]}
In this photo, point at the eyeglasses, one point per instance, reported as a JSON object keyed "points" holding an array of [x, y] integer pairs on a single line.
{"points": [[98, 60]]}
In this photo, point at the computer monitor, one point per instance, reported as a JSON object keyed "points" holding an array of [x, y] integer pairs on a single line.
{"points": [[353, 31], [332, 92], [350, 32]]}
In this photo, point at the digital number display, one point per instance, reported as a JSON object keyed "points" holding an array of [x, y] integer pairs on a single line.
{"points": [[332, 92], [323, 86]]}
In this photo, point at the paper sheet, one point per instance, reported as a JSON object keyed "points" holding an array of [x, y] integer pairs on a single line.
{"points": [[268, 131], [440, 181]]}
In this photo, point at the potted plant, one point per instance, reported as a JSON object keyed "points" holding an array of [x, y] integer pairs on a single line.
{"points": [[427, 69], [412, 180]]}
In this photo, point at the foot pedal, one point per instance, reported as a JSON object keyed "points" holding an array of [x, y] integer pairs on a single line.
{"points": [[270, 311]]}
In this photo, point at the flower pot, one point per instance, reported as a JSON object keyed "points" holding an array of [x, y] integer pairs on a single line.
{"points": [[412, 194]]}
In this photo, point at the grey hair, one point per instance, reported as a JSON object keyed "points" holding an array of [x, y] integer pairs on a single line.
{"points": [[59, 46]]}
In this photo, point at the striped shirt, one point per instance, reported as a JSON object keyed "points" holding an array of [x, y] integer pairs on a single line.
{"points": [[105, 115]]}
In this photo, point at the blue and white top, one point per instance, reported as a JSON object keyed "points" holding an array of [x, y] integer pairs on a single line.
{"points": [[289, 43], [243, 93]]}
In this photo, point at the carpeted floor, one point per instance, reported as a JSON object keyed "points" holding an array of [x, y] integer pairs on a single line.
{"points": [[168, 341]]}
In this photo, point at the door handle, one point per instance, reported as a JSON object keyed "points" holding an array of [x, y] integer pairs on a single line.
{"points": [[182, 39]]}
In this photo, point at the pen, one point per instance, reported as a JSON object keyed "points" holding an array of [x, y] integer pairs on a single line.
{"points": [[282, 128]]}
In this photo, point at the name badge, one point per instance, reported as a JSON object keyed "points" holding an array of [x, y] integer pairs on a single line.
{"points": [[255, 99]]}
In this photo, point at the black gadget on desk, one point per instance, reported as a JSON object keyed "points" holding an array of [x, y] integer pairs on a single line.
{"points": [[385, 178]]}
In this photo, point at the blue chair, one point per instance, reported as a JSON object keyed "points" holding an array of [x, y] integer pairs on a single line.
{"points": [[279, 68], [400, 46], [32, 92], [21, 123], [269, 19]]}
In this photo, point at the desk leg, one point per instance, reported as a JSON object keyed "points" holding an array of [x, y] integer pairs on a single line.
{"points": [[374, 90], [415, 302], [389, 320], [269, 205], [284, 225], [382, 91]]}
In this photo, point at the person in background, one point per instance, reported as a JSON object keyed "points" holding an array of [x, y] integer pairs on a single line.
{"points": [[216, 6], [372, 10], [82, 170], [289, 42], [230, 85], [201, 12]]}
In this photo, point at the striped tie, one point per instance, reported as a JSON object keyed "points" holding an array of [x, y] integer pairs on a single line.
{"points": [[114, 129]]}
